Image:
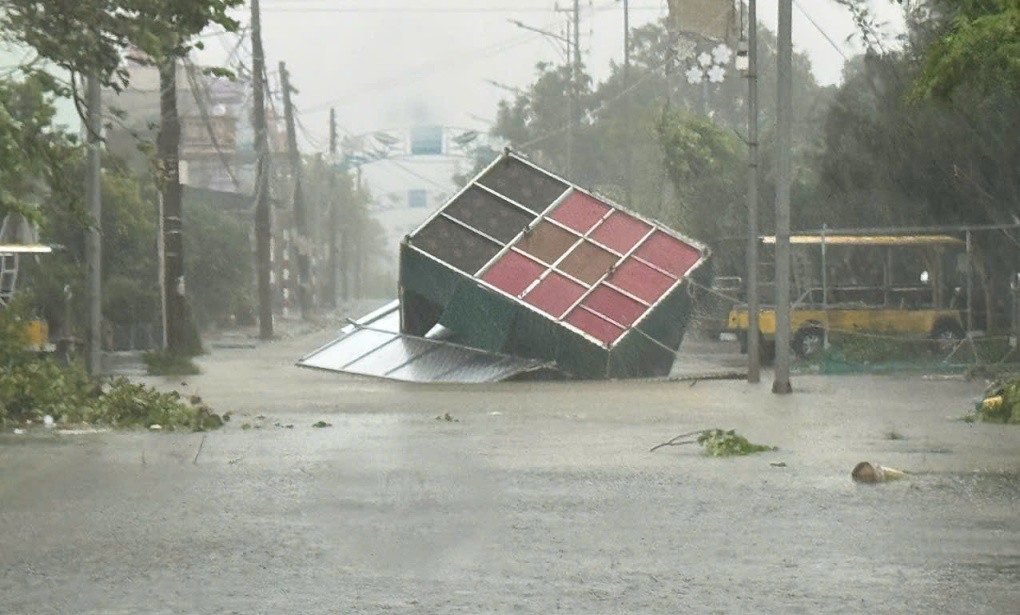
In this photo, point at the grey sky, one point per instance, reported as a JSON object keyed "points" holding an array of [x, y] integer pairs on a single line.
{"points": [[391, 63]]}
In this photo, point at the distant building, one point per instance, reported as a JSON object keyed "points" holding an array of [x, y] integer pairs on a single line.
{"points": [[217, 136]]}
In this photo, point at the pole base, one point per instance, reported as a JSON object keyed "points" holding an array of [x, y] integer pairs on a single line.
{"points": [[782, 387]]}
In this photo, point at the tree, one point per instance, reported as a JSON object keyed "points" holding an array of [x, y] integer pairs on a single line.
{"points": [[979, 46], [640, 142], [91, 36], [33, 152], [893, 158]]}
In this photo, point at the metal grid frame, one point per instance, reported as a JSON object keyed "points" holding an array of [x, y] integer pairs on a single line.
{"points": [[545, 216]]}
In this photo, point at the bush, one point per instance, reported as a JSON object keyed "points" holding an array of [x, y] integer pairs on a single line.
{"points": [[32, 387], [163, 363]]}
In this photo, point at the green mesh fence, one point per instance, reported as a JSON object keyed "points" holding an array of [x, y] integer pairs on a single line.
{"points": [[870, 352]]}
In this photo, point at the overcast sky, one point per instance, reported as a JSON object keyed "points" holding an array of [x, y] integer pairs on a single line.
{"points": [[392, 63]]}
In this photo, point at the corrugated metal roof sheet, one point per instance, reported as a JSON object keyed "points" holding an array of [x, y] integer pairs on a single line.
{"points": [[373, 346]]}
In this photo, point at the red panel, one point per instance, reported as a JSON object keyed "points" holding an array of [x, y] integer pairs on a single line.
{"points": [[591, 324], [617, 306], [554, 294], [579, 212], [513, 273], [620, 232], [641, 280], [669, 254]]}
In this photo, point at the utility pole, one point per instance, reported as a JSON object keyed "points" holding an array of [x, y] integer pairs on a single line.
{"points": [[168, 146], [570, 105], [784, 120], [263, 223], [626, 40], [577, 34], [753, 308], [93, 236], [629, 154], [575, 75], [300, 221], [333, 213]]}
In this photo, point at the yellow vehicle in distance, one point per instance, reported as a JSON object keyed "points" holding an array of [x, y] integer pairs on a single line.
{"points": [[922, 310]]}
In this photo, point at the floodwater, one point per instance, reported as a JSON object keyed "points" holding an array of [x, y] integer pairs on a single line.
{"points": [[534, 498]]}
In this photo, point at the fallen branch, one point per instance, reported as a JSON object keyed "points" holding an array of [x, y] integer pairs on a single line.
{"points": [[200, 445], [676, 441]]}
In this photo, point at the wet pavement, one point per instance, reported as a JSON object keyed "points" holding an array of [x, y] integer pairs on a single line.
{"points": [[533, 498]]}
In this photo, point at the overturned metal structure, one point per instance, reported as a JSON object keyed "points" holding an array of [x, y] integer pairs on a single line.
{"points": [[524, 273]]}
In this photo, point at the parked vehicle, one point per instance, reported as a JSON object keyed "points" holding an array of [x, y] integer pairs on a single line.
{"points": [[922, 308]]}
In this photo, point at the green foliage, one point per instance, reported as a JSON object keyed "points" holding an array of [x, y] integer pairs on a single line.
{"points": [[219, 264], [32, 387], [124, 404], [37, 387], [980, 47], [874, 347], [14, 340], [706, 166], [720, 443], [34, 153], [163, 363], [90, 36]]}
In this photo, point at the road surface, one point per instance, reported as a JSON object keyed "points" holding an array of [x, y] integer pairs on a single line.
{"points": [[533, 498]]}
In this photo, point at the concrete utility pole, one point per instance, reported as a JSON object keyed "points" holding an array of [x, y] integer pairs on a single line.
{"points": [[300, 221], [753, 335], [573, 40], [333, 213], [93, 236], [784, 120], [571, 102], [263, 222], [629, 154], [168, 147]]}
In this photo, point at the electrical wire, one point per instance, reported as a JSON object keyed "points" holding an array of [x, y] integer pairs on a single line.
{"points": [[471, 58], [821, 30]]}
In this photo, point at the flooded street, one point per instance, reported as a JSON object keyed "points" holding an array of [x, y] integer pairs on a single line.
{"points": [[532, 498]]}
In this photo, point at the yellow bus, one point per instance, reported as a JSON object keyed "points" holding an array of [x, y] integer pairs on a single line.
{"points": [[828, 298]]}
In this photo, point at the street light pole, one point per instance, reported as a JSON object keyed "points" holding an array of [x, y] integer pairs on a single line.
{"points": [[784, 120]]}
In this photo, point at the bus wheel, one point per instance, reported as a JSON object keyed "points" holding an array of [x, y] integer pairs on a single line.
{"points": [[809, 341], [946, 334]]}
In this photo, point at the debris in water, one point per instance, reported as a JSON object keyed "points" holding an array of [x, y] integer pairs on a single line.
{"points": [[322, 424], [778, 464], [155, 427], [718, 443], [448, 418], [19, 432], [865, 472]]}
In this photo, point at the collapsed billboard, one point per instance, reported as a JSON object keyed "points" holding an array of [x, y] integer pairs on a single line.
{"points": [[522, 264]]}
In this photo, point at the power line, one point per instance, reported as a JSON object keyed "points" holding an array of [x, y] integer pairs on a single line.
{"points": [[424, 72], [821, 30]]}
